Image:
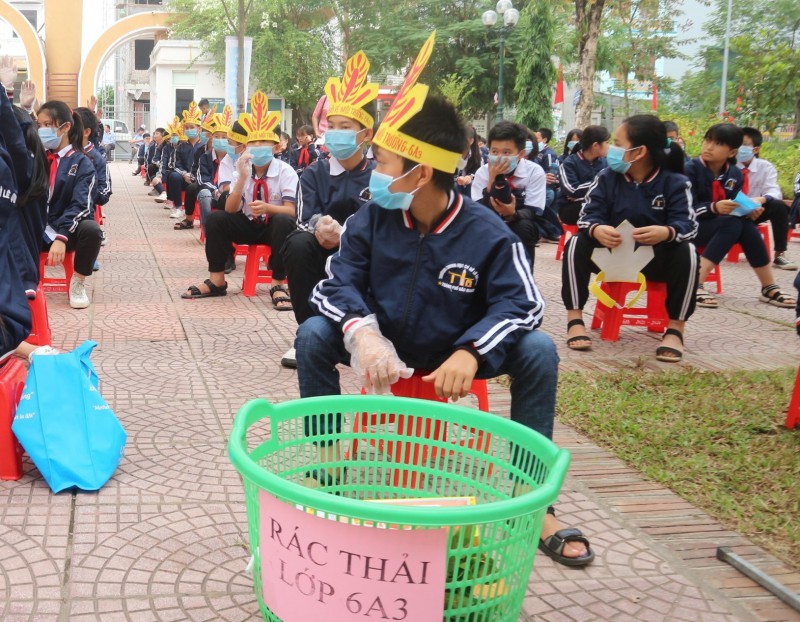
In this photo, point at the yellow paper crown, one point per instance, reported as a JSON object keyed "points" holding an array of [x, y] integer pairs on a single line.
{"points": [[260, 123], [408, 102], [349, 95], [225, 119], [192, 115], [210, 122], [175, 128]]}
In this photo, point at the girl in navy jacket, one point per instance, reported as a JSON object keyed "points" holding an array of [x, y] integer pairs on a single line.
{"points": [[643, 184], [70, 226], [578, 170], [716, 180]]}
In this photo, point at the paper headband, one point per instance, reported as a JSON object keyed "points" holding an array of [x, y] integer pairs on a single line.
{"points": [[408, 102], [348, 96], [260, 124]]}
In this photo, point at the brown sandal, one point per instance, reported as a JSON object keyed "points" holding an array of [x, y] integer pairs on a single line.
{"points": [[284, 298], [183, 224]]}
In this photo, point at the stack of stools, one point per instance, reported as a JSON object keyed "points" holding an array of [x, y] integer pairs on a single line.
{"points": [[253, 274], [56, 284], [410, 452], [12, 380], [653, 316]]}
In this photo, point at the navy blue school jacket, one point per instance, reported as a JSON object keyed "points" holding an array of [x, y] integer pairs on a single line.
{"points": [[295, 153], [102, 186], [185, 157], [327, 189], [576, 175], [207, 170], [730, 178], [546, 159], [665, 198], [71, 196], [168, 157], [466, 284]]}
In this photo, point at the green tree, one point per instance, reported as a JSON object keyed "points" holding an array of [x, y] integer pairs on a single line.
{"points": [[455, 89], [535, 72]]}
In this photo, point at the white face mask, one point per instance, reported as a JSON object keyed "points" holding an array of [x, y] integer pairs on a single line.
{"points": [[462, 164]]}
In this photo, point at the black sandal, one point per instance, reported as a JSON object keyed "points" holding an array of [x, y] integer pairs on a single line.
{"points": [[772, 295], [665, 354], [277, 301], [579, 342], [704, 299], [213, 291], [325, 479], [554, 545], [183, 224]]}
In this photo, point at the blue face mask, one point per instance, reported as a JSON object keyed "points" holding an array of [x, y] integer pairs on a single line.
{"points": [[745, 154], [261, 155], [49, 137], [203, 135], [174, 139], [542, 146], [529, 146], [342, 143], [616, 159], [191, 134], [231, 151], [220, 144], [379, 190], [571, 144], [512, 161]]}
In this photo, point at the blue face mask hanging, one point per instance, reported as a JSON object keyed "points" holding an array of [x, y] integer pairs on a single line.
{"points": [[379, 190]]}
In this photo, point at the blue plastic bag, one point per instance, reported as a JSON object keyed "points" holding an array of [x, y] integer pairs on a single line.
{"points": [[65, 425]]}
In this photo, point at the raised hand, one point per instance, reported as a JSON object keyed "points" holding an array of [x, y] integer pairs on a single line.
{"points": [[27, 94], [8, 71], [91, 103]]}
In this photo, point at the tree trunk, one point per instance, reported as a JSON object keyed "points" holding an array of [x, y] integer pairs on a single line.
{"points": [[589, 23], [240, 30], [625, 95]]}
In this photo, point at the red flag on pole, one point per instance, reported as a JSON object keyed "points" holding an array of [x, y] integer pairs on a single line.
{"points": [[559, 98], [655, 96]]}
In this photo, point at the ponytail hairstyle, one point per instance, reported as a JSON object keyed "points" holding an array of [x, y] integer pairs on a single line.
{"points": [[726, 134], [591, 135], [647, 130], [574, 134], [61, 114], [89, 122], [40, 176]]}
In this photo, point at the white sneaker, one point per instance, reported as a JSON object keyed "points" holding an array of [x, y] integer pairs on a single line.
{"points": [[43, 350], [177, 213], [102, 238], [783, 263], [161, 197], [289, 359], [78, 298]]}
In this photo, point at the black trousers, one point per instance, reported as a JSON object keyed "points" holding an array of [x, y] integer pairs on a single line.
{"points": [[176, 184], [718, 234], [677, 264], [777, 213], [224, 229], [152, 171], [569, 211], [192, 190], [85, 241], [305, 263], [527, 231]]}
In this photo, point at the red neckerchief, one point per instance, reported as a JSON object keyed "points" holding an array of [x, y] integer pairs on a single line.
{"points": [[260, 185], [216, 172], [53, 159], [746, 183], [304, 158]]}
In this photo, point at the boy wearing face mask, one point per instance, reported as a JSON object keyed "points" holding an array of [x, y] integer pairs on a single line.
{"points": [[424, 280], [187, 157], [761, 182], [203, 148], [172, 137], [259, 208], [332, 189], [154, 160], [526, 181]]}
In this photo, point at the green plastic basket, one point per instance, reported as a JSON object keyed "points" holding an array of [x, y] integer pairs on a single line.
{"points": [[448, 451]]}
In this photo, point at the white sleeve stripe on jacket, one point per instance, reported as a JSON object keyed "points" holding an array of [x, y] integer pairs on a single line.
{"points": [[83, 213], [512, 325], [582, 224]]}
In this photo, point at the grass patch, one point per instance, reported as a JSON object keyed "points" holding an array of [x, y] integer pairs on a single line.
{"points": [[716, 439]]}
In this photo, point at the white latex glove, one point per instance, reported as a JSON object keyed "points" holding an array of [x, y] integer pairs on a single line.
{"points": [[8, 71], [373, 357], [328, 232], [27, 94]]}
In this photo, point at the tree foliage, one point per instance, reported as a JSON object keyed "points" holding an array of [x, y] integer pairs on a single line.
{"points": [[536, 73]]}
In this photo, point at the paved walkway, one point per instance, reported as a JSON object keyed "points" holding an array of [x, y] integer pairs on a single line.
{"points": [[166, 538]]}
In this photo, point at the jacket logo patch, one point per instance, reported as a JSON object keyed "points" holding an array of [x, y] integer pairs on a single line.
{"points": [[364, 195], [458, 277], [730, 184], [73, 170], [659, 202]]}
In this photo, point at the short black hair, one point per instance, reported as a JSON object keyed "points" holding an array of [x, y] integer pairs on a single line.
{"points": [[145, 135], [725, 134], [594, 134], [306, 129], [506, 130], [754, 135], [672, 127], [89, 121], [238, 128], [546, 133], [438, 124], [202, 102], [160, 130]]}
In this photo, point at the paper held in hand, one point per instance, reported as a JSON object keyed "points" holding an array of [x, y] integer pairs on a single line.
{"points": [[746, 205], [625, 262]]}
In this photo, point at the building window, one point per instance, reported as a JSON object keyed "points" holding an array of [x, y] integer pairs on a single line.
{"points": [[142, 50], [183, 97], [33, 19]]}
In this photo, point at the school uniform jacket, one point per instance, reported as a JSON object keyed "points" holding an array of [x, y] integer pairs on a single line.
{"points": [[576, 175], [168, 157], [466, 284], [664, 198], [207, 171], [729, 183], [546, 159], [71, 194], [184, 158], [102, 186], [300, 158], [328, 189]]}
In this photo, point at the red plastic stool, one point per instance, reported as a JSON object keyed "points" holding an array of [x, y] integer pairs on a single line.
{"points": [[56, 284], [715, 276], [98, 214], [143, 172], [793, 415], [12, 380], [653, 316], [410, 452], [736, 249], [572, 230], [241, 250], [40, 333], [253, 274]]}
